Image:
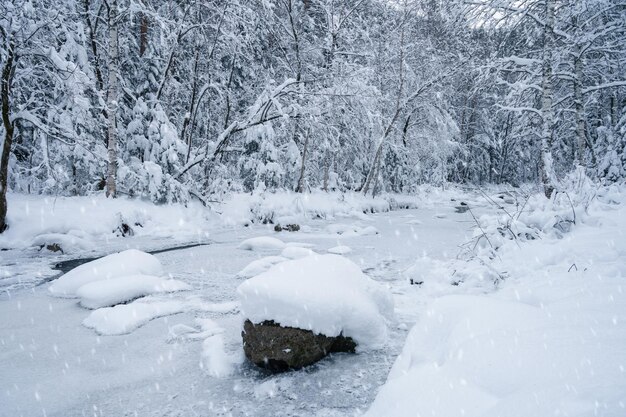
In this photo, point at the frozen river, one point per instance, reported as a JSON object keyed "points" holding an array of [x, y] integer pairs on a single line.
{"points": [[51, 365]]}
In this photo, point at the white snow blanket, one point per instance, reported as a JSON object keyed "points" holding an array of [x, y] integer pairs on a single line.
{"points": [[114, 291], [129, 262], [327, 294]]}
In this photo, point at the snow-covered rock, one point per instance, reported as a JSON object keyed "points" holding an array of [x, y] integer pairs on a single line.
{"points": [[110, 292], [327, 294], [262, 243], [129, 262]]}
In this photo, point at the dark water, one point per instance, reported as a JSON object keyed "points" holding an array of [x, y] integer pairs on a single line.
{"points": [[66, 266]]}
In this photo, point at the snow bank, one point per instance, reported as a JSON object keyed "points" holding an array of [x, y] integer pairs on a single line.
{"points": [[114, 291], [288, 207], [129, 262], [549, 342], [68, 243], [262, 243], [77, 222], [327, 294]]}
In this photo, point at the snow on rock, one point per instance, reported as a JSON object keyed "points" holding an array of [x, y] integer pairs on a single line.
{"points": [[327, 294], [262, 243], [260, 265], [125, 318], [110, 292], [129, 262], [340, 250], [295, 252]]}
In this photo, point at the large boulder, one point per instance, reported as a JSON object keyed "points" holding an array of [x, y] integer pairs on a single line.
{"points": [[277, 348]]}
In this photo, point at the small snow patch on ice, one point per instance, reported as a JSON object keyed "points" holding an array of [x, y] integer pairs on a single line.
{"points": [[125, 318], [294, 252], [216, 361], [262, 243], [110, 292], [340, 250], [259, 266]]}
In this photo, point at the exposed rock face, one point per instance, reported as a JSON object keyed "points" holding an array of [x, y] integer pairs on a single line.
{"points": [[277, 348]]}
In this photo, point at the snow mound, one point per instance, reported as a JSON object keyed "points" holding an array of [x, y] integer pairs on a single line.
{"points": [[295, 252], [340, 250], [125, 318], [326, 294], [129, 262], [262, 243], [114, 291], [259, 266]]}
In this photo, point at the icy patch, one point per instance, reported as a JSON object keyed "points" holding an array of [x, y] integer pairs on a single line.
{"points": [[259, 266], [327, 294], [340, 250], [262, 243], [295, 252], [114, 291], [129, 262]]}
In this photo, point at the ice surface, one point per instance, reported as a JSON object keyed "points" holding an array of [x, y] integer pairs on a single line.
{"points": [[129, 262], [327, 294], [110, 292]]}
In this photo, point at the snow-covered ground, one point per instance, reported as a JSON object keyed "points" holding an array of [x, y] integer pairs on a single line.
{"points": [[551, 339]]}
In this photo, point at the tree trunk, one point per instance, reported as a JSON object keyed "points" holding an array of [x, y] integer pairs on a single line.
{"points": [[112, 102], [300, 186], [5, 85], [580, 110], [548, 179], [143, 33]]}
